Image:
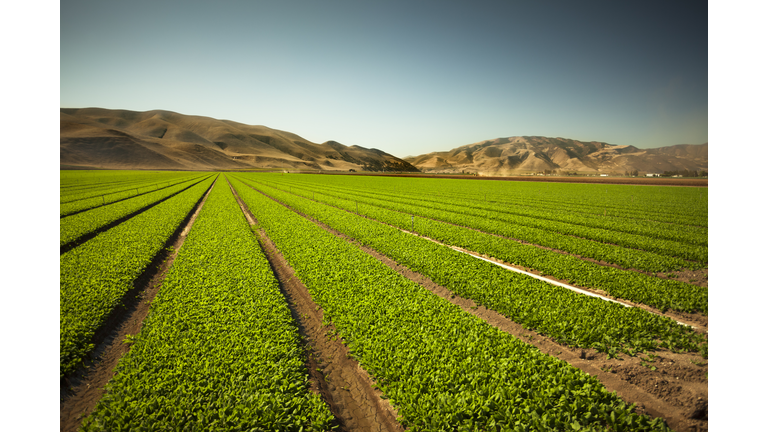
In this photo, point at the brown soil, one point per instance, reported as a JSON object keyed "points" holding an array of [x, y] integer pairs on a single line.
{"points": [[676, 389], [343, 384], [649, 181], [80, 392]]}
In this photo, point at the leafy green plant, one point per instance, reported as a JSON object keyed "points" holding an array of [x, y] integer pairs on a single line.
{"points": [[660, 293], [72, 228], [219, 349], [442, 368], [95, 276], [587, 322]]}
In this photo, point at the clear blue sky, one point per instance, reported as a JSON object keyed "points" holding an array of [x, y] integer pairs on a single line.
{"points": [[405, 77]]}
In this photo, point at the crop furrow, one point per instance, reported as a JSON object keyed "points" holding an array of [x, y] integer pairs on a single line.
{"points": [[585, 360], [80, 228], [96, 276], [531, 302], [219, 349], [442, 368], [82, 389], [631, 285], [344, 385]]}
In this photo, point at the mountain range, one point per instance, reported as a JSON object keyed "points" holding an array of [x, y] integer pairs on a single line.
{"points": [[526, 154], [122, 139]]}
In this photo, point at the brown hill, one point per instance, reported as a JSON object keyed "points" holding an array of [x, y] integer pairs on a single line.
{"points": [[121, 139], [518, 155]]}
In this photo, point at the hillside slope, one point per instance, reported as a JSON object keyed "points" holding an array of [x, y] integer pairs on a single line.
{"points": [[121, 139], [515, 155]]}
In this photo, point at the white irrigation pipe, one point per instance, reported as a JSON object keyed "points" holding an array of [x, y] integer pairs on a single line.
{"points": [[541, 278]]}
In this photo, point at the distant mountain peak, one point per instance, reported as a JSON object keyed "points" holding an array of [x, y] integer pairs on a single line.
{"points": [[528, 154], [159, 139]]}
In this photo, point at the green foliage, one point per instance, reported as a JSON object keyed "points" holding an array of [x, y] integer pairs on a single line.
{"points": [[111, 186], [660, 293], [73, 227], [95, 276], [219, 349], [568, 317], [629, 242], [442, 368]]}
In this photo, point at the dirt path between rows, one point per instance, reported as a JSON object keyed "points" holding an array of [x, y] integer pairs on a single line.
{"points": [[663, 384], [80, 392], [343, 384]]}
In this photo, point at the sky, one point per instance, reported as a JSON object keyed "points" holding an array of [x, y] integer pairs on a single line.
{"points": [[406, 77]]}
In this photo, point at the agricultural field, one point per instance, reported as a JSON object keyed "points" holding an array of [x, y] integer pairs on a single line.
{"points": [[274, 301]]}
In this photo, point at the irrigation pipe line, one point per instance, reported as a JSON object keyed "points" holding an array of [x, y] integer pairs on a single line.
{"points": [[535, 276], [542, 278]]}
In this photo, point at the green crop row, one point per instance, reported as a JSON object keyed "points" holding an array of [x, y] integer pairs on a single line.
{"points": [[95, 276], [660, 293], [73, 227], [624, 257], [96, 198], [219, 349], [74, 193], [443, 369], [617, 247], [683, 208], [568, 317], [73, 185], [655, 237], [80, 191]]}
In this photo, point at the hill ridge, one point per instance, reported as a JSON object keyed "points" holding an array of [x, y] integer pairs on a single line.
{"points": [[162, 139], [525, 154]]}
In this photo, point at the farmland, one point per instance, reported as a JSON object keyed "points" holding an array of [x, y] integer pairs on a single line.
{"points": [[271, 301]]}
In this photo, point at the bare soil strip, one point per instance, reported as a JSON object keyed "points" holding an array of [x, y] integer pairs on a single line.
{"points": [[80, 392], [676, 391], [339, 379], [85, 237], [663, 384]]}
